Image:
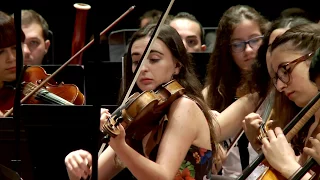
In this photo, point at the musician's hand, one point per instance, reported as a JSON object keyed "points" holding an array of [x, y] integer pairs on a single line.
{"points": [[279, 152], [251, 124], [78, 164], [1, 114], [118, 142], [314, 152], [217, 162], [104, 115]]}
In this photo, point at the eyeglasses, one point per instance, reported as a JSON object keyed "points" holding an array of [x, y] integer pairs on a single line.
{"points": [[254, 43], [284, 72]]}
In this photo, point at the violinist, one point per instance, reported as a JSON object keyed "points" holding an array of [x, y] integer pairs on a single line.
{"points": [[188, 142], [239, 35], [7, 50], [314, 74], [260, 75], [290, 57]]}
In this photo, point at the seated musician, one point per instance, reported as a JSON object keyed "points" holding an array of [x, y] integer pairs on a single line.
{"points": [[7, 49], [290, 57], [36, 30], [190, 31], [7, 56], [188, 142], [314, 74]]}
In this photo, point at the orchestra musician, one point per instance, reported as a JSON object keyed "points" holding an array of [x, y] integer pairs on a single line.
{"points": [[314, 74], [8, 50], [36, 30], [290, 57], [260, 75], [188, 141], [239, 35]]}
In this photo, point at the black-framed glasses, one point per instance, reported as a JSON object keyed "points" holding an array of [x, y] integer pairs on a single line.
{"points": [[284, 70], [240, 46]]}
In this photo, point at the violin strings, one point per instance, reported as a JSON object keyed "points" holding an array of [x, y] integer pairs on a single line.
{"points": [[29, 87]]}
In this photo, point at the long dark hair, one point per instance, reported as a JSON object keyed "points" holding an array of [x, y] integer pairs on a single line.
{"points": [[186, 77], [304, 38], [223, 75], [258, 78], [8, 31]]}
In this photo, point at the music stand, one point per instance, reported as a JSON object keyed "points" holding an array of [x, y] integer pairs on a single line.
{"points": [[118, 42], [53, 131], [200, 60], [110, 79]]}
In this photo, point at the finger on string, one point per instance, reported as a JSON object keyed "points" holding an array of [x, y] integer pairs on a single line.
{"points": [[256, 123], [271, 135], [310, 151], [121, 128], [265, 142], [315, 143], [269, 123], [278, 131]]}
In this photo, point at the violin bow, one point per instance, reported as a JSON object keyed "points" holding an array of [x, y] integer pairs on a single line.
{"points": [[73, 57], [141, 62], [305, 114]]}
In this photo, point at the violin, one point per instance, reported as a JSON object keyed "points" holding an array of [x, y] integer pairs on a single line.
{"points": [[290, 131], [48, 78], [135, 112], [52, 92], [142, 111]]}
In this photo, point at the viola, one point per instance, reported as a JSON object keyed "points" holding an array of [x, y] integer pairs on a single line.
{"points": [[51, 92], [142, 111]]}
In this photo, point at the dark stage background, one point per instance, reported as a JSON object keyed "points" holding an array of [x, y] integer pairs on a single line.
{"points": [[60, 14]]}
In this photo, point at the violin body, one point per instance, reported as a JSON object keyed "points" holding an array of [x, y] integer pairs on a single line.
{"points": [[270, 173], [69, 92], [142, 112], [33, 77]]}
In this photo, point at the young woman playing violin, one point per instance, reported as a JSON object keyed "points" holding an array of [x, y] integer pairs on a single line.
{"points": [[290, 56], [314, 74], [260, 75], [188, 142]]}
